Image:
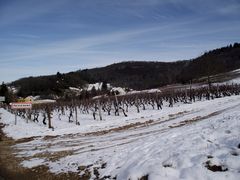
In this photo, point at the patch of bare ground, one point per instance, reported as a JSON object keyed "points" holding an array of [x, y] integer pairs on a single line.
{"points": [[121, 128], [53, 156], [177, 114], [85, 172], [199, 118], [195, 119], [144, 177], [102, 132], [10, 168], [50, 137], [214, 168], [23, 140]]}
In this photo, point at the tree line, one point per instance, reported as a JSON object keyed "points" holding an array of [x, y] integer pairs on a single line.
{"points": [[136, 75]]}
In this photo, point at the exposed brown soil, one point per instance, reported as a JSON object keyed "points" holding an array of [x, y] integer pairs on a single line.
{"points": [[195, 119], [215, 168], [102, 132], [144, 177], [10, 168], [121, 128]]}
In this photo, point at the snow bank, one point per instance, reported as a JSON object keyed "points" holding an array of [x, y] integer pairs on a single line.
{"points": [[183, 142]]}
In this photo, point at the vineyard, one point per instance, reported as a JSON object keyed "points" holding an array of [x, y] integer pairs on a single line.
{"points": [[103, 108], [120, 90], [187, 133]]}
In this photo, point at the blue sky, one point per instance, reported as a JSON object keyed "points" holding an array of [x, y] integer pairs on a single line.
{"points": [[40, 37]]}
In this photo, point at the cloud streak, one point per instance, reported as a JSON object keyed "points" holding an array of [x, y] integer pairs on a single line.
{"points": [[86, 33], [135, 36]]}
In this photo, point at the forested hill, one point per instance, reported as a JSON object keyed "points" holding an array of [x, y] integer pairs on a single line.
{"points": [[136, 74]]}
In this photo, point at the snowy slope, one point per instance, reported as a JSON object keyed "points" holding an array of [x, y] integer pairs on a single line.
{"points": [[234, 81], [178, 143]]}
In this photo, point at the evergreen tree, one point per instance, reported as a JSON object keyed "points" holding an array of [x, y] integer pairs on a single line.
{"points": [[4, 92], [104, 86], [93, 91]]}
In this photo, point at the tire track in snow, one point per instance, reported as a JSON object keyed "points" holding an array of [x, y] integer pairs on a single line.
{"points": [[85, 144]]}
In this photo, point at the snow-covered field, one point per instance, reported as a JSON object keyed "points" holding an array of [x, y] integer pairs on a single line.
{"points": [[189, 141]]}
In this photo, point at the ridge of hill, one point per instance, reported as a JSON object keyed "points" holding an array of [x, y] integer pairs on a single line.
{"points": [[136, 74]]}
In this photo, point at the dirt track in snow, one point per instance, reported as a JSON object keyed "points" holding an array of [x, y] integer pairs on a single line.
{"points": [[53, 148]]}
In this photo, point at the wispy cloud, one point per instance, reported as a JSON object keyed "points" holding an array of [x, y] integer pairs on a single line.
{"points": [[140, 36], [71, 33], [31, 36], [231, 9], [17, 11], [83, 45]]}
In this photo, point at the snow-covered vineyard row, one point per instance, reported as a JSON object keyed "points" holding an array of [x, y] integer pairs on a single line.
{"points": [[108, 110], [185, 140]]}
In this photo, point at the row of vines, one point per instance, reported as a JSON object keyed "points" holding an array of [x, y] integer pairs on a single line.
{"points": [[121, 105]]}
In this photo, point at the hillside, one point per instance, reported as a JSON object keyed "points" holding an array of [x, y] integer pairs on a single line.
{"points": [[137, 75], [188, 141]]}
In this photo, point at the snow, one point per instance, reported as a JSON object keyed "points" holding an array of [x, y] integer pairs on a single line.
{"points": [[32, 163], [235, 77], [234, 81], [97, 86], [75, 89], [120, 90], [42, 101], [178, 144], [89, 87], [237, 71], [229, 82], [13, 89], [145, 91]]}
